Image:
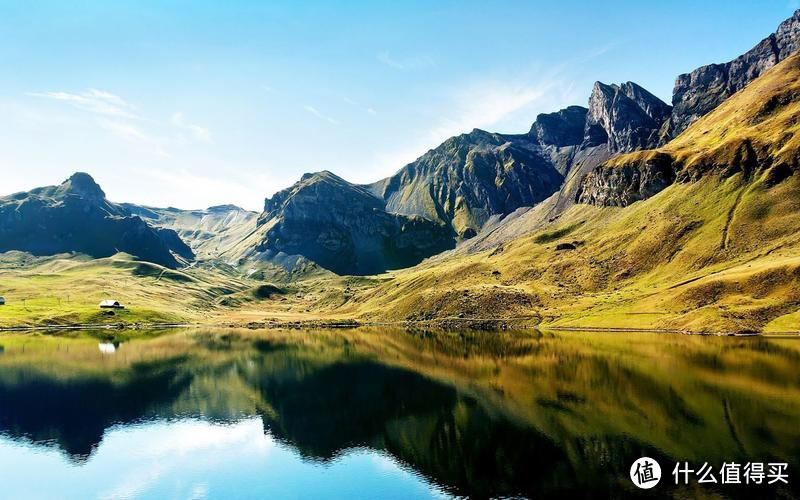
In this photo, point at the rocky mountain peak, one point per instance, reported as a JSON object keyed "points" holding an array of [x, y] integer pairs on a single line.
{"points": [[312, 189], [317, 176], [562, 128], [345, 228], [786, 36], [654, 107], [83, 185], [626, 117]]}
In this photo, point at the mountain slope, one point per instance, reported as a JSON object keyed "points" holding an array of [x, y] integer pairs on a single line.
{"points": [[209, 233], [344, 228], [717, 251], [752, 133], [75, 216], [471, 177]]}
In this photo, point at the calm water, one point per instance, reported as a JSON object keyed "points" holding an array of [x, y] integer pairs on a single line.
{"points": [[388, 413]]}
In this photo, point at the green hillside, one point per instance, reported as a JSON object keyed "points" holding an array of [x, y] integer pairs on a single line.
{"points": [[702, 234], [717, 250]]}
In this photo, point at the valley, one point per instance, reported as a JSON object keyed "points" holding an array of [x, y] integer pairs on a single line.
{"points": [[629, 213]]}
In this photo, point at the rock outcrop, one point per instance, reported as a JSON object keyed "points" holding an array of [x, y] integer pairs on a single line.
{"points": [[76, 217], [626, 117], [622, 185], [343, 227], [559, 129], [752, 134], [699, 92]]}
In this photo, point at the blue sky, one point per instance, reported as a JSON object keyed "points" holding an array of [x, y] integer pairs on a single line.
{"points": [[191, 104]]}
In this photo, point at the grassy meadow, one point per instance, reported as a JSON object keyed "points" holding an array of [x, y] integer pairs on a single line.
{"points": [[661, 264], [718, 252]]}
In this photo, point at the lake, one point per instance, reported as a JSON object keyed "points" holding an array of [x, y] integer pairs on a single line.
{"points": [[388, 413]]}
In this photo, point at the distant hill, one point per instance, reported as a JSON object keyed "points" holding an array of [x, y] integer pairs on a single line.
{"points": [[75, 216], [344, 228], [699, 234], [209, 233]]}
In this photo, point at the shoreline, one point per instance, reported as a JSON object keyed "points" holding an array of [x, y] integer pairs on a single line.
{"points": [[445, 324]]}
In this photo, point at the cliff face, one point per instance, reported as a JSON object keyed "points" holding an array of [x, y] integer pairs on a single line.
{"points": [[626, 117], [76, 217], [344, 228], [699, 92], [559, 129], [630, 182], [754, 133]]}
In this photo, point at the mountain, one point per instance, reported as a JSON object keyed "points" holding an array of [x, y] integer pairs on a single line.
{"points": [[699, 92], [626, 117], [753, 133], [448, 194], [209, 233], [695, 95], [473, 177], [344, 228], [470, 177], [700, 234], [75, 216]]}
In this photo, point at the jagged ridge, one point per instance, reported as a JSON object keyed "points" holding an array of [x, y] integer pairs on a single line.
{"points": [[753, 132]]}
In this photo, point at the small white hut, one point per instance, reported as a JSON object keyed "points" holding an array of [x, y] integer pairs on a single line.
{"points": [[111, 304]]}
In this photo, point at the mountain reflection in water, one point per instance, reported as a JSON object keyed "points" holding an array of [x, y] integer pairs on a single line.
{"points": [[474, 414]]}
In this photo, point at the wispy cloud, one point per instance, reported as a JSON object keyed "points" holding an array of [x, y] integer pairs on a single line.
{"points": [[508, 104], [197, 132], [363, 108], [115, 115], [321, 116], [406, 63], [240, 187], [95, 101], [501, 103], [111, 113], [129, 132]]}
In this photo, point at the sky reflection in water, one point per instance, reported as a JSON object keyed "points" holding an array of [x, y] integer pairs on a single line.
{"points": [[385, 413], [195, 459]]}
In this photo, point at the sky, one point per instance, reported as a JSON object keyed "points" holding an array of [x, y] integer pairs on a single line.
{"points": [[199, 103]]}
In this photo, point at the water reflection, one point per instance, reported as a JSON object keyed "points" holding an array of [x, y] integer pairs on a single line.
{"points": [[108, 347], [480, 414]]}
